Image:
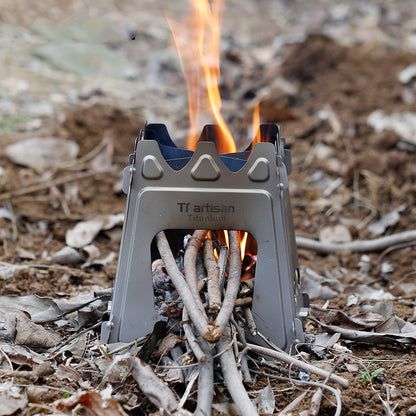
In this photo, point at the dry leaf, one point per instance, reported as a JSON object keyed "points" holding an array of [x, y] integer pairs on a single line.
{"points": [[21, 355], [91, 401], [11, 399], [34, 335], [41, 154], [85, 232], [167, 344], [64, 372], [316, 286], [364, 320]]}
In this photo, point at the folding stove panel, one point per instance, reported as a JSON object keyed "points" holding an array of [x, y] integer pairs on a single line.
{"points": [[171, 188]]}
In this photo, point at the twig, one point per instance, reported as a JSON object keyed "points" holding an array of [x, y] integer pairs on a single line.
{"points": [[242, 358], [233, 379], [13, 220], [181, 286], [248, 300], [250, 321], [189, 261], [292, 405], [151, 385], [222, 265], [335, 392], [73, 164], [205, 383], [54, 182], [300, 364], [375, 244], [233, 283], [213, 283], [190, 384], [74, 336], [191, 338], [383, 276], [126, 346]]}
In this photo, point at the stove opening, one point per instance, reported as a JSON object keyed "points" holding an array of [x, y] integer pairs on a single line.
{"points": [[212, 254]]}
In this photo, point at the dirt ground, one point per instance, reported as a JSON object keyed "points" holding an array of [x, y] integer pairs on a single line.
{"points": [[331, 89]]}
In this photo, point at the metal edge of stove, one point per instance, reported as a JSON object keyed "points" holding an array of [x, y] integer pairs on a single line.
{"points": [[254, 199]]}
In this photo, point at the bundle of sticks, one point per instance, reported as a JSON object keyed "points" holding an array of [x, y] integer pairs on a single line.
{"points": [[214, 325]]}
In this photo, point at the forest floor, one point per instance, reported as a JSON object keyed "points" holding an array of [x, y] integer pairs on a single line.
{"points": [[330, 75]]}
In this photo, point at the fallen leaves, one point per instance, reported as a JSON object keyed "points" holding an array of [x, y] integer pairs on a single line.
{"points": [[95, 402], [85, 232], [41, 154]]}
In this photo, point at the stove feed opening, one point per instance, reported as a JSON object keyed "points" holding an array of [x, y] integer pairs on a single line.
{"points": [[213, 253]]}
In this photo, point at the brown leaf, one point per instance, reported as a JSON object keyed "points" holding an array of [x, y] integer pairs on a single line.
{"points": [[34, 335], [167, 344], [21, 355], [365, 320], [93, 402], [65, 372]]}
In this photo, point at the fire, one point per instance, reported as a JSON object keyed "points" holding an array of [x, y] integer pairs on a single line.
{"points": [[198, 49], [256, 125], [243, 242]]}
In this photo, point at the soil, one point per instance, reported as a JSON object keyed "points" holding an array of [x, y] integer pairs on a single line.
{"points": [[378, 172]]}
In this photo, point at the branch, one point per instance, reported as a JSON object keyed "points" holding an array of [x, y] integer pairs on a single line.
{"points": [[191, 338], [232, 377], [151, 385], [205, 383], [375, 244], [300, 364], [214, 294], [189, 262], [233, 282], [180, 284]]}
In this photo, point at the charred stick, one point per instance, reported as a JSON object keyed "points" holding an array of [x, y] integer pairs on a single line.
{"points": [[222, 265], [181, 286], [191, 338], [233, 283], [191, 252], [300, 364], [232, 377], [213, 283], [250, 321]]}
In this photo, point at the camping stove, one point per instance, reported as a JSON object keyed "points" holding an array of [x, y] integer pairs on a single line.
{"points": [[172, 188]]}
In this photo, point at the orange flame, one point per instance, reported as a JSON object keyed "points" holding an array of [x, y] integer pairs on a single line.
{"points": [[243, 242], [256, 125], [198, 49]]}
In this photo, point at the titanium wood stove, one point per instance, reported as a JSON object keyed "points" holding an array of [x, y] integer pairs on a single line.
{"points": [[172, 188]]}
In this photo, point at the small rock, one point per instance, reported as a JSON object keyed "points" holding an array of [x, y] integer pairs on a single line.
{"points": [[38, 109], [337, 234], [407, 74], [67, 255]]}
